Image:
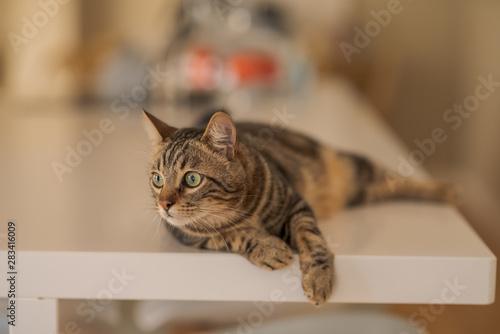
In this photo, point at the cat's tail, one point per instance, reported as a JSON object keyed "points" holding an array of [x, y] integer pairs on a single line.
{"points": [[372, 183]]}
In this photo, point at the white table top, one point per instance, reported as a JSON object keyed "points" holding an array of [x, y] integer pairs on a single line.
{"points": [[74, 236]]}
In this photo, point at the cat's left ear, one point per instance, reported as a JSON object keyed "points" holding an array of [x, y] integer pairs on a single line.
{"points": [[157, 129], [221, 134]]}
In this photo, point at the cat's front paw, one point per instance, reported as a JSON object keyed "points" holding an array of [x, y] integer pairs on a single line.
{"points": [[317, 280], [270, 253]]}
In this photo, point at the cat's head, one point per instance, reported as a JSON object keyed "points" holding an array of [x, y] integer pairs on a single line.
{"points": [[196, 175]]}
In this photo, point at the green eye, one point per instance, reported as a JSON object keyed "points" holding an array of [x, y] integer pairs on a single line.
{"points": [[193, 179], [157, 180]]}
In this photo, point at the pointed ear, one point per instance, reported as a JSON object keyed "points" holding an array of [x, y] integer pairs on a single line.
{"points": [[156, 129], [221, 134]]}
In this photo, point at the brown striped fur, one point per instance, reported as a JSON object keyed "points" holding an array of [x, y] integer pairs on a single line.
{"points": [[261, 199]]}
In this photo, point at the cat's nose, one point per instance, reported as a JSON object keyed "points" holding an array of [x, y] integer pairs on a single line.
{"points": [[166, 204]]}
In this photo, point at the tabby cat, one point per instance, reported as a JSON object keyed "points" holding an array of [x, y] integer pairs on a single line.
{"points": [[221, 188]]}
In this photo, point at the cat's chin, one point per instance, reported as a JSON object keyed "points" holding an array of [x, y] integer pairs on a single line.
{"points": [[175, 221]]}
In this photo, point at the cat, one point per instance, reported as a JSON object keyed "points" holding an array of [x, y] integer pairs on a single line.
{"points": [[221, 188]]}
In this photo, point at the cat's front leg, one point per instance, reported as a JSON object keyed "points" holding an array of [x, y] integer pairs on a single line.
{"points": [[266, 251], [316, 258], [259, 247]]}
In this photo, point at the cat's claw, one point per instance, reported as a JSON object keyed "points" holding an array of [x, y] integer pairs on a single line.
{"points": [[317, 283], [271, 254]]}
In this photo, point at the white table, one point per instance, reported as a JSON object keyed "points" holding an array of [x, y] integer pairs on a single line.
{"points": [[91, 236]]}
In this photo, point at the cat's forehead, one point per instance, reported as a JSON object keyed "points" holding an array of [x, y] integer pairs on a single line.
{"points": [[183, 149]]}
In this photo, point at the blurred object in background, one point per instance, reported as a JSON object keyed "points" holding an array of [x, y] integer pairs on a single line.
{"points": [[93, 51], [229, 53]]}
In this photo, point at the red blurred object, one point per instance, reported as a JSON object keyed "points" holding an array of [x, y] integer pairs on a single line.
{"points": [[200, 69], [252, 68], [203, 69]]}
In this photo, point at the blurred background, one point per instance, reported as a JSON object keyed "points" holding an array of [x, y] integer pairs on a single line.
{"points": [[412, 61]]}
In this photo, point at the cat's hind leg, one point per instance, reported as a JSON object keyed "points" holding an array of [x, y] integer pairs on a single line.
{"points": [[371, 183]]}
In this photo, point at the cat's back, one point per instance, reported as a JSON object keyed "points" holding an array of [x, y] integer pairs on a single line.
{"points": [[276, 139], [290, 153], [313, 169]]}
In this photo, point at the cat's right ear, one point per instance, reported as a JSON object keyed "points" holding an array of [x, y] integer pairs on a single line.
{"points": [[156, 129]]}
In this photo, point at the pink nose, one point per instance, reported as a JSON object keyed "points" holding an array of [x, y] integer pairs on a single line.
{"points": [[166, 204]]}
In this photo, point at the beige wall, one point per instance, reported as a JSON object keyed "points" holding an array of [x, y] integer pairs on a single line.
{"points": [[34, 70], [480, 55], [439, 48]]}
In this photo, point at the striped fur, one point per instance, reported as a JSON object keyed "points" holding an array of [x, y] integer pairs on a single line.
{"points": [[261, 199]]}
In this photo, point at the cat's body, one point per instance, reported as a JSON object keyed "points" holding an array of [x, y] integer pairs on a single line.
{"points": [[260, 196]]}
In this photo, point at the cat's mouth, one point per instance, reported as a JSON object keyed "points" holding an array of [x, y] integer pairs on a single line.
{"points": [[172, 218]]}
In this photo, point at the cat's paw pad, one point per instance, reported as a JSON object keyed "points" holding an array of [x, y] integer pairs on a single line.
{"points": [[317, 282], [271, 254]]}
